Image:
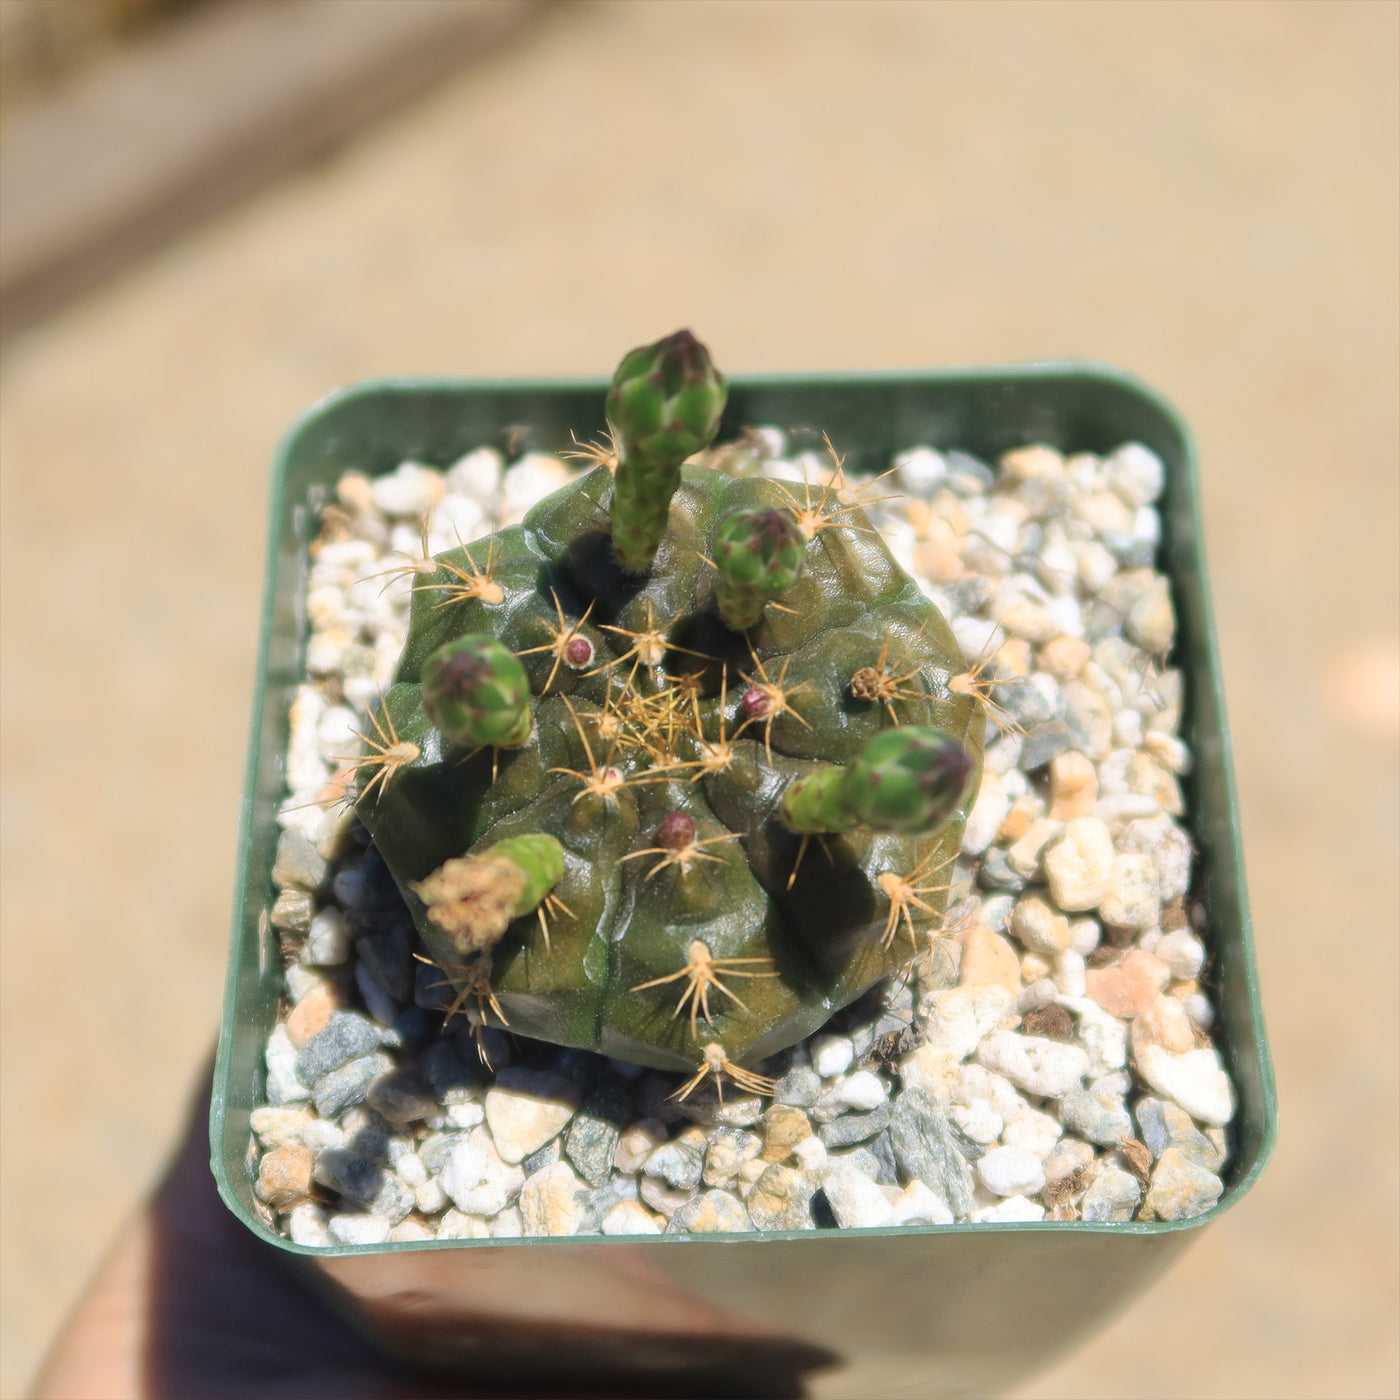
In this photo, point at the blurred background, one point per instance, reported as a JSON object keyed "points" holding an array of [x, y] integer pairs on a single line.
{"points": [[214, 211]]}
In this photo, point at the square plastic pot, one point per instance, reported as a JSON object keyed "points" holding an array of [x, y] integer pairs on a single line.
{"points": [[917, 1311]]}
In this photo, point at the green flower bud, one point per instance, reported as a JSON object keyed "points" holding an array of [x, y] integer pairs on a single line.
{"points": [[759, 554], [476, 693]]}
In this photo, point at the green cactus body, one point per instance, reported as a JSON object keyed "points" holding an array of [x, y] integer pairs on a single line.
{"points": [[758, 555], [664, 406], [661, 770]]}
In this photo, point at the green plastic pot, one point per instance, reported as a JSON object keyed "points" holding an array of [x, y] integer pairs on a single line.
{"points": [[927, 1311]]}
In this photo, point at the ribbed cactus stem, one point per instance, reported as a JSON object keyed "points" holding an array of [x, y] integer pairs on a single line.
{"points": [[815, 803], [474, 898], [664, 405], [476, 693], [907, 781], [759, 554]]}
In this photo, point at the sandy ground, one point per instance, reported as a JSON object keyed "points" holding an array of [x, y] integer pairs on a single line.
{"points": [[1205, 195]]}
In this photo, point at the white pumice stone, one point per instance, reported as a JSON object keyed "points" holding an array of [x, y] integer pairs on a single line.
{"points": [[1050, 1068], [1182, 952], [411, 490], [810, 1154], [327, 940], [1196, 1080], [832, 1055], [477, 476], [631, 1218], [1011, 1171], [306, 1225], [1013, 1210], [920, 471], [358, 1229], [856, 1201]]}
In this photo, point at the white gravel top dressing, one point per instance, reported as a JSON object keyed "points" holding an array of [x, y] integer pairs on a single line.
{"points": [[1048, 1058]]}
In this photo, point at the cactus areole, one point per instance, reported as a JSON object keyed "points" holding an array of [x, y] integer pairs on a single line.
{"points": [[680, 846]]}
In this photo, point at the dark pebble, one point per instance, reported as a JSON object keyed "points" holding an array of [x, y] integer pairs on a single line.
{"points": [[1053, 1022], [925, 1148], [800, 1087], [995, 873], [882, 1149], [547, 1156], [344, 1087], [852, 1128], [387, 957], [344, 1037], [1044, 742]]}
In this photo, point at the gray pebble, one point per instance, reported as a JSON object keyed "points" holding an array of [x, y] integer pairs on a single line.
{"points": [[291, 911], [378, 1002], [680, 1161], [882, 1149], [781, 1199], [996, 912], [1180, 1188], [590, 1144], [1026, 704], [996, 873], [861, 1158], [1098, 1117], [1089, 719], [402, 1097], [445, 1068], [387, 957], [299, 865], [728, 1149], [1112, 1198], [365, 1183], [283, 1083], [925, 1147], [411, 1027], [713, 1212], [344, 1037], [1045, 741], [547, 1156], [436, 1148], [339, 1089], [1163, 1125], [431, 989], [851, 1128], [800, 1087], [967, 475], [612, 1193]]}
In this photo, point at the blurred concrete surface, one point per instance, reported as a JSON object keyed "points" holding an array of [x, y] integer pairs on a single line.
{"points": [[184, 121], [1206, 195]]}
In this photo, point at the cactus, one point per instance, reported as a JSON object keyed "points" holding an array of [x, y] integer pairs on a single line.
{"points": [[594, 786]]}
